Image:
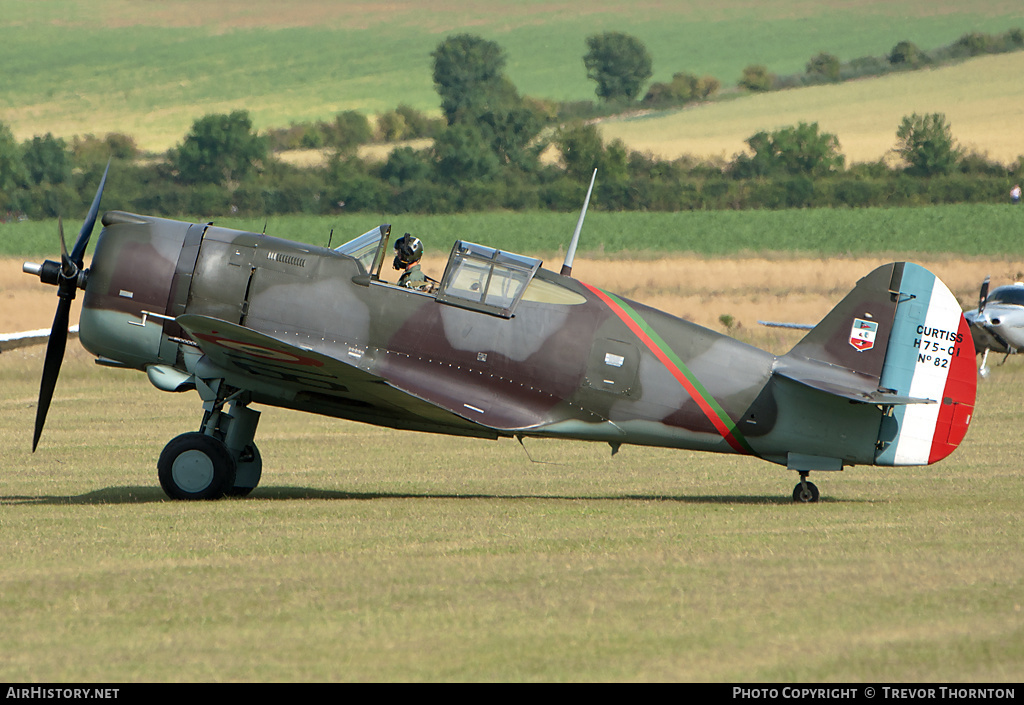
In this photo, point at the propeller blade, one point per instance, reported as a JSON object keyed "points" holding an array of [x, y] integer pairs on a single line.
{"points": [[51, 365], [78, 252], [983, 296], [68, 269], [67, 285]]}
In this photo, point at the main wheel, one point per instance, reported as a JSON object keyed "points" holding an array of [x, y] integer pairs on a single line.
{"points": [[250, 469], [802, 493], [196, 466]]}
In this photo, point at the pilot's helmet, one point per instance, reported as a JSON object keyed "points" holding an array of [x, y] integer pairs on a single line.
{"points": [[408, 249]]}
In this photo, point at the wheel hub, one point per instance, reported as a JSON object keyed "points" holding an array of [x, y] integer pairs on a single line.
{"points": [[193, 471]]}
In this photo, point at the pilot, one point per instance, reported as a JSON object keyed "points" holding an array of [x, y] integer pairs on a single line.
{"points": [[408, 250]]}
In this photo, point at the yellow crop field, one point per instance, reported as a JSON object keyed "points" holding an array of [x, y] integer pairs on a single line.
{"points": [[983, 100]]}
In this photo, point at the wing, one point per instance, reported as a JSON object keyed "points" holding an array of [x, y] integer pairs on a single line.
{"points": [[13, 341], [282, 374]]}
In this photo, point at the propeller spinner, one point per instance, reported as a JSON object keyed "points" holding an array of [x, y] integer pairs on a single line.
{"points": [[68, 275]]}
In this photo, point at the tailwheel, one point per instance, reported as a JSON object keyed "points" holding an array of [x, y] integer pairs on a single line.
{"points": [[196, 466], [805, 491]]}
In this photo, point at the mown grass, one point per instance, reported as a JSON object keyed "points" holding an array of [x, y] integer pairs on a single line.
{"points": [[371, 555], [78, 67], [967, 230]]}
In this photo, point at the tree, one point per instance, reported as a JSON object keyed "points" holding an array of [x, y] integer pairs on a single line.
{"points": [[794, 151], [757, 78], [47, 160], [825, 65], [90, 149], [510, 132], [685, 87], [468, 75], [583, 150], [406, 164], [619, 63], [907, 54], [12, 169], [973, 44], [804, 150], [463, 154], [926, 143], [418, 124], [219, 149], [474, 92], [391, 126], [349, 130]]}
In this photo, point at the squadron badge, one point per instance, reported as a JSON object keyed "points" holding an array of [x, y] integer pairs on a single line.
{"points": [[862, 334]]}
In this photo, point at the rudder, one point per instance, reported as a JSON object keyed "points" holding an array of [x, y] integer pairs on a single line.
{"points": [[930, 355]]}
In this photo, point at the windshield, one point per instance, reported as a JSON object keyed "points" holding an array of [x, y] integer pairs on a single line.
{"points": [[486, 279], [1013, 295], [364, 248]]}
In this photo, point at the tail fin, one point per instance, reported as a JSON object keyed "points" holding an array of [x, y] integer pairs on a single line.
{"points": [[900, 340]]}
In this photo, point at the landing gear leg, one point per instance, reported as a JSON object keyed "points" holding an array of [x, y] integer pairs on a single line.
{"points": [[237, 426], [805, 491], [222, 458]]}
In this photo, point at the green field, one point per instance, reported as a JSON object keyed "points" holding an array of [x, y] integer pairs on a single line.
{"points": [[962, 230], [371, 555], [97, 66]]}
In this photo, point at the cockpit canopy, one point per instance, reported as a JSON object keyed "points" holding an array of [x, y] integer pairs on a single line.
{"points": [[1012, 295], [365, 248], [477, 277], [485, 279]]}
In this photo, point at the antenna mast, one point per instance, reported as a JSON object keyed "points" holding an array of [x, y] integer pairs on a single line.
{"points": [[571, 254]]}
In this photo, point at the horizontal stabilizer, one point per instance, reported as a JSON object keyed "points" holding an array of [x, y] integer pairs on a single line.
{"points": [[841, 382]]}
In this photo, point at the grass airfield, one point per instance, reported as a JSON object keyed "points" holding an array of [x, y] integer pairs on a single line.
{"points": [[373, 555]]}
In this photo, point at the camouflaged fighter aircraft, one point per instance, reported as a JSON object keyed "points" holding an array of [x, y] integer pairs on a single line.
{"points": [[502, 348]]}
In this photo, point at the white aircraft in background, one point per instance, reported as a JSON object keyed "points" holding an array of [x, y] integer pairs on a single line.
{"points": [[998, 322]]}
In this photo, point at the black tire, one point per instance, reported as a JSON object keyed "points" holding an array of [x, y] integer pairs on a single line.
{"points": [[805, 496], [249, 470], [196, 466]]}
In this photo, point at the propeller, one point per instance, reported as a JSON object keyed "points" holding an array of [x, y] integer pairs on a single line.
{"points": [[983, 296], [68, 276]]}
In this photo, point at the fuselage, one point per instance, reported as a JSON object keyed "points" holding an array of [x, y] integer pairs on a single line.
{"points": [[572, 361]]}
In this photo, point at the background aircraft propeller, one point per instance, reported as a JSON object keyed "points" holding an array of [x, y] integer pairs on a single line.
{"points": [[983, 295], [68, 276]]}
